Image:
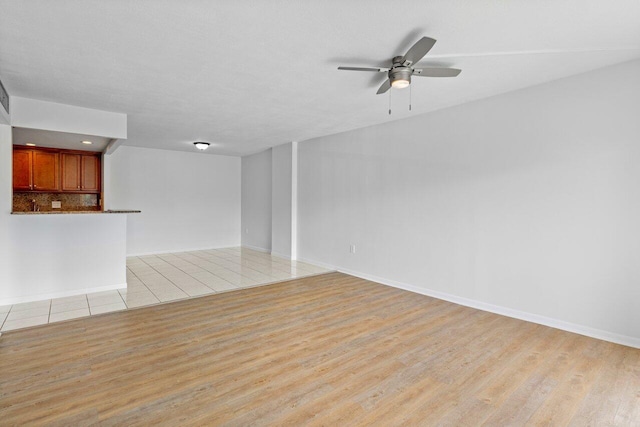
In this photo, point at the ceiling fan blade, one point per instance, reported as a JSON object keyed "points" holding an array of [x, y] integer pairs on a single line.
{"points": [[385, 87], [436, 72], [419, 50], [378, 70]]}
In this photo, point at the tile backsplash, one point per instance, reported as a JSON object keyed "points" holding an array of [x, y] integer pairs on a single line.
{"points": [[22, 202]]}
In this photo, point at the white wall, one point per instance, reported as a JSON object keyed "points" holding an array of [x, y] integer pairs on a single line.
{"points": [[188, 201], [281, 201], [268, 200], [256, 201], [45, 256], [527, 203], [5, 118]]}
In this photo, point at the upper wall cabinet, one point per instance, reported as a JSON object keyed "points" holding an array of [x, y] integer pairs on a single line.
{"points": [[46, 171], [52, 170], [36, 170], [80, 173], [22, 170]]}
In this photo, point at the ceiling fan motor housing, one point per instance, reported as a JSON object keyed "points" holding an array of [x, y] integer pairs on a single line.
{"points": [[400, 73]]}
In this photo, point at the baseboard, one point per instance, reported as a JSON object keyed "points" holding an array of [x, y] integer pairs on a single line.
{"points": [[504, 311], [255, 248], [51, 295], [324, 265], [268, 251], [287, 257], [207, 248]]}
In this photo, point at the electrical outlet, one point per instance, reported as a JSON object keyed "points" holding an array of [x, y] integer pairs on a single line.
{"points": [[57, 204]]}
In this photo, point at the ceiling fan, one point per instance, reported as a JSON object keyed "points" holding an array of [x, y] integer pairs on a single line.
{"points": [[402, 67]]}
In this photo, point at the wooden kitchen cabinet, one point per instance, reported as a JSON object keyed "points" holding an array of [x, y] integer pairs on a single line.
{"points": [[22, 170], [80, 173], [56, 170], [90, 173], [46, 171], [70, 172], [35, 170]]}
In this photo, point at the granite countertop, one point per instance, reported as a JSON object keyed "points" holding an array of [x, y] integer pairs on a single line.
{"points": [[111, 211]]}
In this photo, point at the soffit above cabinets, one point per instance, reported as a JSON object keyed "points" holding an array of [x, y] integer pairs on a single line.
{"points": [[68, 141]]}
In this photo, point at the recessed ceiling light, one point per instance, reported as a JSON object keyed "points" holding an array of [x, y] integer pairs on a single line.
{"points": [[201, 145], [87, 142], [30, 144]]}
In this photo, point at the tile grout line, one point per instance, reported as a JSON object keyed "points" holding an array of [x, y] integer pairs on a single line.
{"points": [[223, 267], [255, 265], [175, 284], [6, 317], [122, 299], [141, 281], [86, 296], [210, 272], [195, 254], [152, 267], [195, 278], [190, 275], [254, 269]]}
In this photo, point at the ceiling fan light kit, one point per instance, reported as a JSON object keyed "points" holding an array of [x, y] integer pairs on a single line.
{"points": [[402, 68], [400, 83], [399, 76]]}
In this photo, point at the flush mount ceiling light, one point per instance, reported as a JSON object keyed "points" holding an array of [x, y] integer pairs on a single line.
{"points": [[201, 145], [87, 142], [30, 144]]}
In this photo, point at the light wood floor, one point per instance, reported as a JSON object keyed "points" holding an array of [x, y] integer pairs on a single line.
{"points": [[325, 350]]}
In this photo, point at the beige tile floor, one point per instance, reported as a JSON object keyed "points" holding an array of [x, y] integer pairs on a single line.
{"points": [[155, 279]]}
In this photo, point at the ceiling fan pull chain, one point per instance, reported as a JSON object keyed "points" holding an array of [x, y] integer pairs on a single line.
{"points": [[409, 97], [389, 102]]}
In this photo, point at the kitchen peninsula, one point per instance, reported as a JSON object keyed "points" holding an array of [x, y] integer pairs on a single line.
{"points": [[45, 255], [73, 247], [57, 255]]}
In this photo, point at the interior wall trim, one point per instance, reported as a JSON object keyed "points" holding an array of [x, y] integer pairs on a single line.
{"points": [[279, 255], [173, 251], [497, 309], [255, 248], [267, 251]]}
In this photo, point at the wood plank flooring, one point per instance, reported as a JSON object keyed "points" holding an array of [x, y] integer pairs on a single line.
{"points": [[325, 350]]}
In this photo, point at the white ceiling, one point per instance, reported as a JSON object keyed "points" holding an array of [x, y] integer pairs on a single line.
{"points": [[247, 75]]}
